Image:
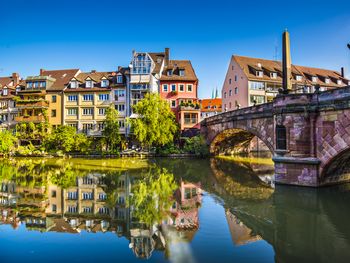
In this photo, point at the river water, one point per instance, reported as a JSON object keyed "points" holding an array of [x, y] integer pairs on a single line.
{"points": [[166, 210]]}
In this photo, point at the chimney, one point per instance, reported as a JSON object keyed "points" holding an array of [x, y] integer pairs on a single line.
{"points": [[42, 71], [342, 72], [167, 55], [286, 63], [15, 77], [120, 68], [93, 71]]}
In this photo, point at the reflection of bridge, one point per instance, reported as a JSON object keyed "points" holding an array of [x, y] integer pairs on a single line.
{"points": [[308, 134]]}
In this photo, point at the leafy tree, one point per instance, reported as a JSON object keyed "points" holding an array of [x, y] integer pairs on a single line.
{"points": [[155, 124], [7, 142], [152, 197], [111, 130], [65, 139], [196, 145]]}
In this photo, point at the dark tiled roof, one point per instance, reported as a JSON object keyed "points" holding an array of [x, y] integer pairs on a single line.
{"points": [[62, 77], [175, 66], [251, 65], [158, 60]]}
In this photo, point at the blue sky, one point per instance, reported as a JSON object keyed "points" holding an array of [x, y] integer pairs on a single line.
{"points": [[101, 34]]}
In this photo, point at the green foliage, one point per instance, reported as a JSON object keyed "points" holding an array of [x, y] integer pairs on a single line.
{"points": [[155, 125], [169, 148], [196, 145], [111, 131], [7, 142], [64, 177], [65, 139], [152, 197]]}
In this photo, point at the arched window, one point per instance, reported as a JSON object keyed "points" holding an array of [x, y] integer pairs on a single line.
{"points": [[281, 137]]}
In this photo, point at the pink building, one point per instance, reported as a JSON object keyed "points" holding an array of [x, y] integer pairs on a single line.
{"points": [[252, 81]]}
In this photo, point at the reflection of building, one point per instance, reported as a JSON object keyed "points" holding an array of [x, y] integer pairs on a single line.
{"points": [[240, 233], [252, 81]]}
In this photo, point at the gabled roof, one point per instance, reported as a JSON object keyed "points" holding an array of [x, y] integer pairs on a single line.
{"points": [[62, 77], [175, 66], [5, 81], [207, 105], [251, 65], [95, 76], [158, 61]]}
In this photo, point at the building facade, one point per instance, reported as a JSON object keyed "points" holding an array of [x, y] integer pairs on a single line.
{"points": [[251, 81]]}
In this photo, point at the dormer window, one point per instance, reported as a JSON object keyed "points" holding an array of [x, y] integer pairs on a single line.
{"points": [[104, 83], [327, 80], [314, 79], [73, 84], [259, 65], [30, 85], [89, 84], [259, 74], [182, 72], [273, 75], [120, 79], [169, 72], [18, 89], [4, 92], [299, 78], [339, 82]]}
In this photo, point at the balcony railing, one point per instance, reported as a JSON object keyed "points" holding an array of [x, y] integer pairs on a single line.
{"points": [[40, 118], [190, 120], [32, 104]]}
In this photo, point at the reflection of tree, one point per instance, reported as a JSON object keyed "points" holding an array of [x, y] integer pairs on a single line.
{"points": [[64, 177], [152, 196]]}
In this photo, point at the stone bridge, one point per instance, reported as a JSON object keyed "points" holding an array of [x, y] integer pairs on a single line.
{"points": [[307, 134]]}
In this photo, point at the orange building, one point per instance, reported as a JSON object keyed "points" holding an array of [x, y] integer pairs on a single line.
{"points": [[210, 107]]}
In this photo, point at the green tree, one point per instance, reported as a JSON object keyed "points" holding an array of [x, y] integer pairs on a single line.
{"points": [[155, 124], [7, 142], [152, 197], [196, 145], [111, 130]]}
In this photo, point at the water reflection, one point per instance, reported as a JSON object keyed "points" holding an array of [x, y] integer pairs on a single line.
{"points": [[160, 207]]}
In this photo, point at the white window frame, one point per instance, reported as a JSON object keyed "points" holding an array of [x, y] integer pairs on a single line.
{"points": [[88, 111], [183, 87], [259, 73], [119, 79], [273, 75], [173, 103], [299, 78], [5, 92], [89, 84], [314, 79], [72, 96], [339, 82], [101, 111], [104, 83], [73, 84], [182, 72], [187, 87], [165, 88], [92, 97], [173, 86], [105, 97], [72, 109], [327, 80]]}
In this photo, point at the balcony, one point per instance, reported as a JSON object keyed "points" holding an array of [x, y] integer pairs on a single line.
{"points": [[39, 118], [190, 121], [32, 104]]}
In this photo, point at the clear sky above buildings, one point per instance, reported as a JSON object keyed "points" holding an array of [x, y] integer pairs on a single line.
{"points": [[101, 34]]}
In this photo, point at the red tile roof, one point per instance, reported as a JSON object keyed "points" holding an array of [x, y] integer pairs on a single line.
{"points": [[207, 105]]}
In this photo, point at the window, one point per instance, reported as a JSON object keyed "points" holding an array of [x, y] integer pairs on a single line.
{"points": [[120, 107], [121, 124], [36, 84], [4, 92], [298, 78], [89, 84], [54, 98], [173, 103], [87, 196], [72, 111], [314, 79], [72, 209], [29, 84], [42, 84], [103, 97], [103, 210], [121, 200], [104, 83], [232, 67], [120, 79], [182, 72], [165, 87], [88, 111], [87, 180], [256, 99], [273, 75], [236, 90], [255, 85], [225, 94], [339, 82], [73, 98], [102, 196], [141, 64], [230, 93], [173, 87], [327, 80], [169, 72], [72, 195], [181, 87], [229, 81], [230, 105], [87, 209], [259, 74], [73, 84], [54, 208], [88, 97], [53, 113], [189, 88], [102, 111], [53, 193], [190, 118], [281, 137], [100, 126], [235, 77]]}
